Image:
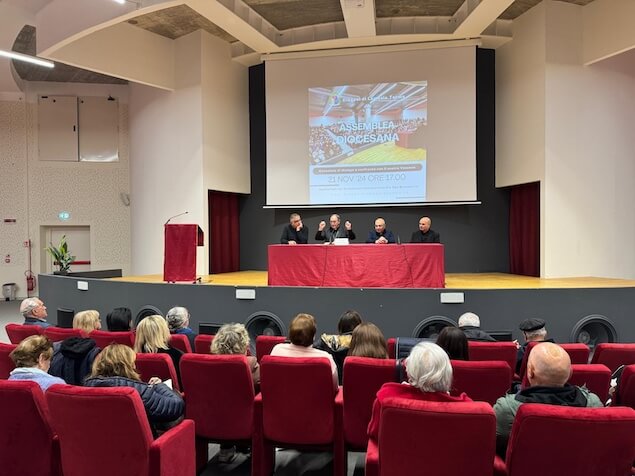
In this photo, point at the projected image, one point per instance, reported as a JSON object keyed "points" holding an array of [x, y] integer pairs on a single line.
{"points": [[367, 143]]}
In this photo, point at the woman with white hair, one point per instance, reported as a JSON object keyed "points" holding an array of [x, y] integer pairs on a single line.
{"points": [[429, 378], [178, 319]]}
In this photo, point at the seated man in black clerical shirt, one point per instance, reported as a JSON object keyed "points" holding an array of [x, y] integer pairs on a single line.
{"points": [[425, 234], [328, 235], [295, 233], [380, 235]]}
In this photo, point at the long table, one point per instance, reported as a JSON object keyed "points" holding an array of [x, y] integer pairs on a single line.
{"points": [[357, 266]]}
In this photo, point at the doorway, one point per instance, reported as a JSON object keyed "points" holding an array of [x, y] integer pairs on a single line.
{"points": [[78, 239]]}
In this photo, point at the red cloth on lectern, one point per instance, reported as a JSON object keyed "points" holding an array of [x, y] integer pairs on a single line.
{"points": [[179, 262]]}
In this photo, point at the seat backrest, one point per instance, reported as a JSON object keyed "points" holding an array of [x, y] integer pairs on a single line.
{"points": [[6, 363], [220, 395], [203, 343], [181, 342], [298, 400], [264, 344], [523, 366], [483, 381], [505, 351], [26, 431], [105, 338], [57, 334], [18, 332], [363, 377], [569, 440], [90, 421], [614, 355], [595, 377], [391, 343], [579, 353], [626, 387], [418, 437], [156, 365]]}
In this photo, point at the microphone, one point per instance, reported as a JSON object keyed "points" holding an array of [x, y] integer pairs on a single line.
{"points": [[175, 216]]}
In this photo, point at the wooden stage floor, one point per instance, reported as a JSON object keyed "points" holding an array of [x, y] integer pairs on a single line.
{"points": [[453, 281]]}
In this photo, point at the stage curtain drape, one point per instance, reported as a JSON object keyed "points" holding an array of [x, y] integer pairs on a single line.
{"points": [[224, 232], [524, 229]]}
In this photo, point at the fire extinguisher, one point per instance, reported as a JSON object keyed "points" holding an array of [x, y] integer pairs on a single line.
{"points": [[30, 277]]}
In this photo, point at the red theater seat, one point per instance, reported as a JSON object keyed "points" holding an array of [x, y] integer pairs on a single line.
{"points": [[264, 344], [181, 342], [417, 437], [595, 377], [203, 343], [28, 446], [57, 334], [549, 440], [157, 365], [483, 381], [18, 332], [296, 409], [614, 355], [6, 364], [105, 338], [391, 343], [105, 431], [579, 353], [626, 388], [505, 351]]}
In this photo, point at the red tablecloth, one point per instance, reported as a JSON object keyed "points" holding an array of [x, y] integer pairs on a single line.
{"points": [[357, 266]]}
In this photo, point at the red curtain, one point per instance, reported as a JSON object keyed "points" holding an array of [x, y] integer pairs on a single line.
{"points": [[224, 232], [524, 229]]}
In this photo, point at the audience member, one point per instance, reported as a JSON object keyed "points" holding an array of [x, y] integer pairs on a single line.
{"points": [[337, 344], [548, 369], [73, 358], [295, 233], [179, 323], [454, 342], [380, 235], [119, 319], [425, 234], [368, 341], [328, 235], [34, 312], [115, 367], [429, 378], [153, 337], [32, 359], [534, 330], [87, 321], [301, 334], [470, 324]]}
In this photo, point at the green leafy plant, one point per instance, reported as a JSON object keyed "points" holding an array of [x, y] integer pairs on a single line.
{"points": [[60, 254]]}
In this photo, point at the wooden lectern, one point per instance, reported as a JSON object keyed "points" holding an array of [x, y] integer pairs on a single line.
{"points": [[179, 257]]}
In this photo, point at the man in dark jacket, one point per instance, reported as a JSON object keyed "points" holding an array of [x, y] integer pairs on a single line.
{"points": [[470, 324], [295, 233], [73, 359], [534, 330]]}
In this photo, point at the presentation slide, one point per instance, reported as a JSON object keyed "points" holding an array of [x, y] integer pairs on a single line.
{"points": [[365, 143]]}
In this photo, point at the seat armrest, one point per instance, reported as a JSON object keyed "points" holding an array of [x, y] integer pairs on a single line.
{"points": [[372, 458], [500, 469], [174, 451]]}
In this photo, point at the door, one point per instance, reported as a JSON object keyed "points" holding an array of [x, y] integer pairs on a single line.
{"points": [[78, 239]]}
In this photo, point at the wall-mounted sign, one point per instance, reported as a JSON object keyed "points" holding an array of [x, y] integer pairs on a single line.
{"points": [[64, 216]]}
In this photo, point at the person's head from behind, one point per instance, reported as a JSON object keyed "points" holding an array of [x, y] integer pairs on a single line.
{"points": [[302, 330], [429, 368], [548, 365], [469, 319], [534, 330], [178, 318], [87, 321], [230, 339], [349, 320], [116, 360], [33, 307], [152, 334], [454, 341], [34, 351], [119, 319], [368, 341]]}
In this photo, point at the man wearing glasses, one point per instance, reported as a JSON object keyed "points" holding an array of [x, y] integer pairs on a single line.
{"points": [[295, 233]]}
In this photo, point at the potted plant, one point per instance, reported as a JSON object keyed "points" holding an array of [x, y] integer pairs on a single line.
{"points": [[61, 256]]}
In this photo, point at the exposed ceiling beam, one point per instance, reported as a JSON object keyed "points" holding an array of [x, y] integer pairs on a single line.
{"points": [[474, 16], [359, 16]]}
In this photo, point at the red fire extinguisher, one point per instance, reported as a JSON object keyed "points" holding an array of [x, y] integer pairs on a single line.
{"points": [[30, 277]]}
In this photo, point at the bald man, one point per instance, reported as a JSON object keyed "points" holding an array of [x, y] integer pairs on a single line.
{"points": [[380, 235], [425, 234], [548, 370]]}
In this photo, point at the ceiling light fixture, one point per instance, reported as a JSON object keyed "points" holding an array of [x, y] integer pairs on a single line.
{"points": [[123, 2], [27, 58]]}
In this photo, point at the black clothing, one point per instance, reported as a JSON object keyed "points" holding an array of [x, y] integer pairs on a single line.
{"points": [[374, 236], [289, 233], [475, 333], [521, 353], [337, 346], [567, 396], [328, 235], [175, 355], [429, 236], [73, 359]]}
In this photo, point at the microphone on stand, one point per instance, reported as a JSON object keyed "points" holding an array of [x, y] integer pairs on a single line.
{"points": [[175, 216]]}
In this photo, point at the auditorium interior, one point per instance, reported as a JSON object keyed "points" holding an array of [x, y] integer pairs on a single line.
{"points": [[164, 113]]}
